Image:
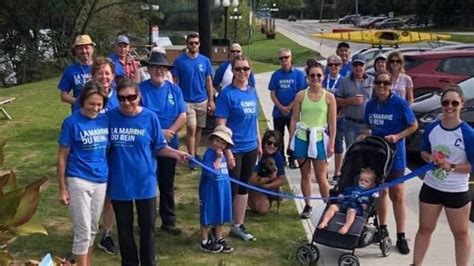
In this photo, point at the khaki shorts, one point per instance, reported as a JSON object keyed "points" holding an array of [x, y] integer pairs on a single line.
{"points": [[196, 114]]}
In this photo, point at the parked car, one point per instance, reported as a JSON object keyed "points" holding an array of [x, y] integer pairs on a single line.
{"points": [[292, 18], [403, 50], [413, 142], [463, 46], [370, 23], [348, 19], [434, 70], [369, 52], [359, 20], [390, 23]]}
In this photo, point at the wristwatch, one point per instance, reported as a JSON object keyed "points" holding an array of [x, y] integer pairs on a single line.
{"points": [[452, 167]]}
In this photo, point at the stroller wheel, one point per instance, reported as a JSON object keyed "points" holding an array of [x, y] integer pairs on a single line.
{"points": [[386, 246], [348, 259], [307, 254]]}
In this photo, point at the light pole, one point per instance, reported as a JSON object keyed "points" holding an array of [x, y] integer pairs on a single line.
{"points": [[225, 4], [149, 9], [273, 10], [236, 16]]}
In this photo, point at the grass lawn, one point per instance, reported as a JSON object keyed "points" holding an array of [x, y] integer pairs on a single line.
{"points": [[464, 38], [31, 150]]}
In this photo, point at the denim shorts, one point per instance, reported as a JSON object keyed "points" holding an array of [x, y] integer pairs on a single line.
{"points": [[301, 149]]}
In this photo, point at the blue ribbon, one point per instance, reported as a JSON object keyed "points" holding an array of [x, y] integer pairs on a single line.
{"points": [[397, 181]]}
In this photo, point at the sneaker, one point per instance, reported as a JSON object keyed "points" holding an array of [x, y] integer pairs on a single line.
{"points": [[307, 212], [402, 245], [242, 233], [292, 164], [211, 247], [107, 244], [171, 229], [226, 248]]}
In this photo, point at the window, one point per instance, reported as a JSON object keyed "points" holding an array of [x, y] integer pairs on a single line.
{"points": [[457, 66]]}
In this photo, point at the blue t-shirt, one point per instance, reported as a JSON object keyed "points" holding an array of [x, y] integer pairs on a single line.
{"points": [[390, 117], [279, 161], [112, 102], [332, 84], [240, 108], [208, 159], [192, 74], [166, 102], [286, 84], [132, 163], [87, 139], [74, 77]]}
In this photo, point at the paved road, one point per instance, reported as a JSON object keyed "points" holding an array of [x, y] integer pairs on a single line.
{"points": [[442, 249]]}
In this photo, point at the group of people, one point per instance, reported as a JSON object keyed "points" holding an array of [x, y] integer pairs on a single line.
{"points": [[121, 143]]}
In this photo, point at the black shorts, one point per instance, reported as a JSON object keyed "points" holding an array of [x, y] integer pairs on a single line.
{"points": [[454, 200], [394, 174]]}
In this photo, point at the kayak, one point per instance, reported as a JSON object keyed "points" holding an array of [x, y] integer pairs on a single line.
{"points": [[383, 37]]}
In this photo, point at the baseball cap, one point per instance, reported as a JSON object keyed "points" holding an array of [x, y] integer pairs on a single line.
{"points": [[122, 39], [359, 58]]}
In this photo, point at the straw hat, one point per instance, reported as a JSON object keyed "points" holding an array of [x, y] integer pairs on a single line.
{"points": [[83, 40], [224, 133]]}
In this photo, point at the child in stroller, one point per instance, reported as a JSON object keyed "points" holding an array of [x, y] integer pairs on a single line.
{"points": [[351, 203]]}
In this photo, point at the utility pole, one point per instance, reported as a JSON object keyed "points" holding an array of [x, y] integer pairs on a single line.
{"points": [[204, 21]]}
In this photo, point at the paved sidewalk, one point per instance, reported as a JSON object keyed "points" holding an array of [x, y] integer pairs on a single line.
{"points": [[441, 251]]}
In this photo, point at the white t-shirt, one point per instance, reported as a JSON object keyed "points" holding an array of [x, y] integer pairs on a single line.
{"points": [[228, 76], [399, 87], [454, 144]]}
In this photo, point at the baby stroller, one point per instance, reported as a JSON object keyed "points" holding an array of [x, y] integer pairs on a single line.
{"points": [[373, 152]]}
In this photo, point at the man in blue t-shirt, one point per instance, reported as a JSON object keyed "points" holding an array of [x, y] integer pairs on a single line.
{"points": [[283, 86], [77, 74], [193, 73]]}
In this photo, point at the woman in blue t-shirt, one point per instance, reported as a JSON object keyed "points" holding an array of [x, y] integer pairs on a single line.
{"points": [[389, 116], [449, 143], [82, 168], [268, 174], [135, 138], [237, 108]]}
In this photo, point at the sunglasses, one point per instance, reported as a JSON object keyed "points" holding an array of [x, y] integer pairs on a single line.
{"points": [[235, 51], [446, 103], [312, 75], [396, 61], [130, 98], [271, 143], [383, 82], [193, 43], [283, 57], [240, 69], [333, 64], [357, 64]]}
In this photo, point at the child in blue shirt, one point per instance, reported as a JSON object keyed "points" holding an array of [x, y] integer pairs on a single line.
{"points": [[354, 205], [215, 192]]}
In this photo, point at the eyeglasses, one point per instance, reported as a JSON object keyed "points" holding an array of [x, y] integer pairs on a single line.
{"points": [[271, 143], [235, 51], [446, 103], [383, 82], [312, 75], [240, 69], [357, 64], [283, 57], [333, 64], [130, 98], [396, 61], [193, 43]]}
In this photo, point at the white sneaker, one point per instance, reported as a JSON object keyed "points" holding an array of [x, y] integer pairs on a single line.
{"points": [[242, 233]]}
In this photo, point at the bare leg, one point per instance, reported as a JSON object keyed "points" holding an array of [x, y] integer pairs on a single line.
{"points": [[458, 220], [191, 139], [330, 212], [399, 207], [320, 170], [350, 217], [382, 203], [240, 204], [306, 179], [197, 139], [258, 202], [218, 230], [428, 217], [108, 215], [89, 257], [337, 163], [204, 232], [81, 260]]}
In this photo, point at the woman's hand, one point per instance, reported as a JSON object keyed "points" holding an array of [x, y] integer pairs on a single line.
{"points": [[425, 156], [259, 151], [64, 197], [169, 134], [330, 150], [394, 138]]}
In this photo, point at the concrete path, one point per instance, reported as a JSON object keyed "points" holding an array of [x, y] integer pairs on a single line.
{"points": [[441, 251]]}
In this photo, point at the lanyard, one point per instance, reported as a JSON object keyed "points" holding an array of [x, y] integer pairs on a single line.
{"points": [[334, 84]]}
